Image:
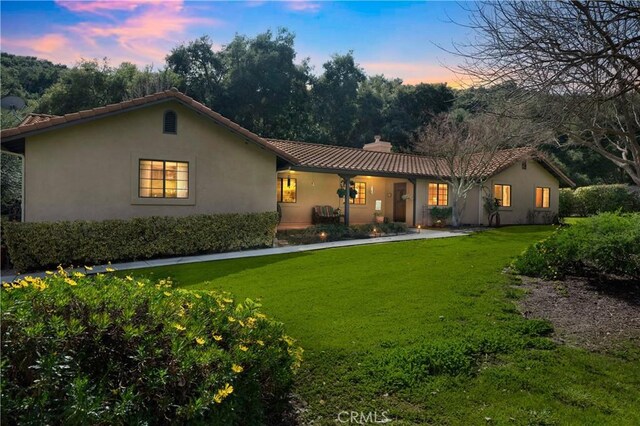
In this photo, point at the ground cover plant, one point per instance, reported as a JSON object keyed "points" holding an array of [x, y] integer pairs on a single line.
{"points": [[608, 243], [426, 332], [114, 350]]}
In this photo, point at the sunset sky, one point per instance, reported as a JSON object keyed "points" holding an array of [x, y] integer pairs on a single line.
{"points": [[397, 39]]}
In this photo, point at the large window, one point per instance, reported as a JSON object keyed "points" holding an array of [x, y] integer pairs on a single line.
{"points": [[438, 194], [163, 179], [361, 196], [287, 191], [503, 194], [542, 197]]}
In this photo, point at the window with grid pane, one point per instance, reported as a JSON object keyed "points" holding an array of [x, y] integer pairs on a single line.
{"points": [[361, 196], [542, 197], [163, 179], [438, 194], [503, 194]]}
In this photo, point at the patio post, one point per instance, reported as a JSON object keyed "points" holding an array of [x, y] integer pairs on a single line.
{"points": [[347, 183], [414, 182]]}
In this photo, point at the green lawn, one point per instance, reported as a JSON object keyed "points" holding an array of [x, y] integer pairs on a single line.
{"points": [[427, 331]]}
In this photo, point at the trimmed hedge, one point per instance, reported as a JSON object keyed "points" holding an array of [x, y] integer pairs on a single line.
{"points": [[607, 243], [110, 350], [48, 244], [591, 200]]}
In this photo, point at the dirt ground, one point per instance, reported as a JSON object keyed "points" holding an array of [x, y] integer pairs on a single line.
{"points": [[591, 314]]}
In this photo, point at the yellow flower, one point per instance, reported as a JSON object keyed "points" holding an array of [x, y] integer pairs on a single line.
{"points": [[226, 300], [237, 368], [241, 323], [260, 342], [140, 284], [231, 319], [6, 285], [70, 281], [223, 393], [200, 340], [88, 268], [48, 272], [109, 269], [259, 315], [251, 322], [180, 327], [197, 296], [243, 348], [166, 293], [217, 337], [128, 278], [78, 274]]}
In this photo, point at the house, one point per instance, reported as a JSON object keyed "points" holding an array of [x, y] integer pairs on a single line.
{"points": [[167, 154]]}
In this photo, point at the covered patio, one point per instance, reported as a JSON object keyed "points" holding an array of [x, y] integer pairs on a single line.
{"points": [[388, 186]]}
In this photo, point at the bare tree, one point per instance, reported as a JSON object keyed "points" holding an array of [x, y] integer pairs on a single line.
{"points": [[578, 60], [464, 153]]}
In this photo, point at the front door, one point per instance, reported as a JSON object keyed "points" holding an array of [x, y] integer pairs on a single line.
{"points": [[399, 204]]}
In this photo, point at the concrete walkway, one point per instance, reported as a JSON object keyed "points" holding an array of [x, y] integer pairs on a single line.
{"points": [[412, 235]]}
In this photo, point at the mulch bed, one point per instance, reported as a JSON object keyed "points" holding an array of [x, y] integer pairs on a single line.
{"points": [[590, 313]]}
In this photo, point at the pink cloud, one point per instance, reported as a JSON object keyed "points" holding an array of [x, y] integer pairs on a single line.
{"points": [[303, 6], [100, 6], [151, 28]]}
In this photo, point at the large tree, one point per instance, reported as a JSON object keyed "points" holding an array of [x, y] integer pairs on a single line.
{"points": [[335, 96], [464, 149], [578, 61]]}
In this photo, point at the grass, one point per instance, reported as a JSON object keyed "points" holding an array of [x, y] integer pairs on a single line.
{"points": [[426, 332]]}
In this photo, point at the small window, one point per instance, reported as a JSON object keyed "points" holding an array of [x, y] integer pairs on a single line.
{"points": [[503, 194], [163, 179], [170, 123], [287, 191], [361, 196], [438, 194], [542, 197]]}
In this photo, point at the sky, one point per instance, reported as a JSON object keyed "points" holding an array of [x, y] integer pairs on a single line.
{"points": [[397, 39]]}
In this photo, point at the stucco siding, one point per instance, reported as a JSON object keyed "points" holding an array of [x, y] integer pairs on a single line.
{"points": [[523, 185], [90, 171], [320, 189]]}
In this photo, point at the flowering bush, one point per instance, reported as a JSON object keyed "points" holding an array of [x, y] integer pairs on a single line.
{"points": [[607, 243], [46, 244], [110, 350]]}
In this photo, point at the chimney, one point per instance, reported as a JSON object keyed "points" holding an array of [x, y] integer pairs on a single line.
{"points": [[377, 145]]}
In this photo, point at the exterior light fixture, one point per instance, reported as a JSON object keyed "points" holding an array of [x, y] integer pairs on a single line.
{"points": [[323, 235], [419, 228]]}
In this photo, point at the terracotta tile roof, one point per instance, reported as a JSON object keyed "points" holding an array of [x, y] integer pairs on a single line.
{"points": [[318, 156], [36, 118], [312, 156], [46, 123]]}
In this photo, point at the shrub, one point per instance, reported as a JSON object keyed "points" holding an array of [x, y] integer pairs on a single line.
{"points": [[110, 350], [591, 200], [331, 232], [607, 243], [567, 202], [47, 244], [440, 213]]}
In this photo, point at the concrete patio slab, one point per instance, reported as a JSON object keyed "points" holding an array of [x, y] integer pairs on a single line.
{"points": [[424, 234]]}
